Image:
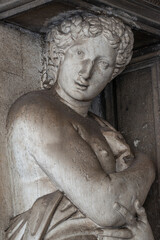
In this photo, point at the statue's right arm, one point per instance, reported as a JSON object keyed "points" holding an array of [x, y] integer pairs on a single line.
{"points": [[71, 163]]}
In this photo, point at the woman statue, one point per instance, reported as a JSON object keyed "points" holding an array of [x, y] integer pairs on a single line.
{"points": [[73, 175]]}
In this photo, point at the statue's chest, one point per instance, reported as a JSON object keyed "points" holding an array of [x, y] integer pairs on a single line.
{"points": [[91, 132]]}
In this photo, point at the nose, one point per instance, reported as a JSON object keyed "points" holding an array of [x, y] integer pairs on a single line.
{"points": [[86, 69]]}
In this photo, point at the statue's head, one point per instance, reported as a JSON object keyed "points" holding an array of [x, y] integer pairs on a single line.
{"points": [[87, 49]]}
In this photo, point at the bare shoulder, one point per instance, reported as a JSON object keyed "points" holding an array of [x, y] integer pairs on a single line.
{"points": [[36, 119], [36, 107]]}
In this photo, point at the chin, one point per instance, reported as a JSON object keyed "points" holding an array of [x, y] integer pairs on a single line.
{"points": [[83, 96]]}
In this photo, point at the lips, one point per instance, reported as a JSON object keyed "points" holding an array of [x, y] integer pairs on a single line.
{"points": [[82, 85]]}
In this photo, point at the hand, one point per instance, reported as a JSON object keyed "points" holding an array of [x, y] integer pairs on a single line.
{"points": [[139, 226]]}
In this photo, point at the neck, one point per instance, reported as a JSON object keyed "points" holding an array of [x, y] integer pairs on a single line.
{"points": [[81, 107]]}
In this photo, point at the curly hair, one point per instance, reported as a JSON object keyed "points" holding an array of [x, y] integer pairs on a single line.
{"points": [[64, 31]]}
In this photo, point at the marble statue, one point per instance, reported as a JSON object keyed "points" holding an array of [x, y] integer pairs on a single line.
{"points": [[73, 175]]}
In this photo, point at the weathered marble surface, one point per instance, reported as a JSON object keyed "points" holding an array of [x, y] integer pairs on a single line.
{"points": [[54, 143]]}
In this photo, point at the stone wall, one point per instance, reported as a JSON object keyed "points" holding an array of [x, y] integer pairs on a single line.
{"points": [[20, 67], [136, 97]]}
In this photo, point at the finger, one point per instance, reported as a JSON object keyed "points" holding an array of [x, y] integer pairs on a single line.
{"points": [[129, 218], [141, 213], [117, 233]]}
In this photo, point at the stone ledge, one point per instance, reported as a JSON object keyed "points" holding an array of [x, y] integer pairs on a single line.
{"points": [[11, 8], [140, 15]]}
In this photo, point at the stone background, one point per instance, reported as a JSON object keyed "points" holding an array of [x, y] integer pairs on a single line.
{"points": [[20, 66]]}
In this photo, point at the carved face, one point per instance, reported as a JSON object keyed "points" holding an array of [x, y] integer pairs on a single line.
{"points": [[86, 68]]}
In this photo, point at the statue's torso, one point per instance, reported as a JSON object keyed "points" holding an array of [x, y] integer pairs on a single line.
{"points": [[29, 180]]}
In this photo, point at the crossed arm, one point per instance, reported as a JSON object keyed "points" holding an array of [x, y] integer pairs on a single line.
{"points": [[75, 169], [71, 163]]}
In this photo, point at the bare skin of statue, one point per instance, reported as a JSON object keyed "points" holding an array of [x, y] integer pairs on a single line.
{"points": [[67, 163]]}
